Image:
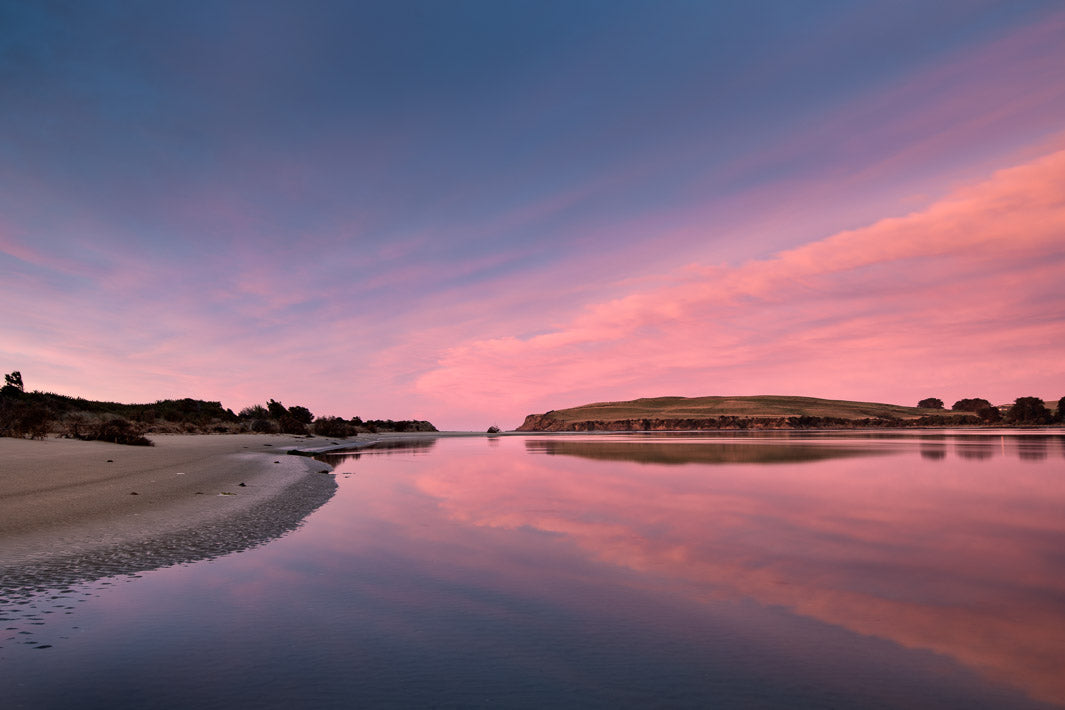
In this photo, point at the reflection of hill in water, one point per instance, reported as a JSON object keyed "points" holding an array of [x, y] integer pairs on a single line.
{"points": [[702, 452], [378, 448]]}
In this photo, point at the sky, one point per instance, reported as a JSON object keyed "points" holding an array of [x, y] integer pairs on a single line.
{"points": [[473, 210]]}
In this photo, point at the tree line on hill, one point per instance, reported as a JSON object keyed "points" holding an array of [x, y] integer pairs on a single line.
{"points": [[1025, 411], [37, 414]]}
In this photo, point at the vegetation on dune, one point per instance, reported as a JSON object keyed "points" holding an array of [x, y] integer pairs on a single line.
{"points": [[37, 414]]}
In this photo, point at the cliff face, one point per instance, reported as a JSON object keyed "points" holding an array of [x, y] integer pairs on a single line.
{"points": [[546, 422]]}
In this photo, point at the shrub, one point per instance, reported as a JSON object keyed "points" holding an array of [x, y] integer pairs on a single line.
{"points": [[333, 426], [34, 421], [301, 414], [290, 425], [116, 430], [255, 412], [931, 403], [264, 426]]}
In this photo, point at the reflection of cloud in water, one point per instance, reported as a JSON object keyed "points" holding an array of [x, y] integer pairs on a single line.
{"points": [[957, 557]]}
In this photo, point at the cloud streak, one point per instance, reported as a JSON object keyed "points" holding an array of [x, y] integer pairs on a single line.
{"points": [[888, 311]]}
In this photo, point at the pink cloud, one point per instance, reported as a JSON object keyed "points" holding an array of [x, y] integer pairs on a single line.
{"points": [[960, 296]]}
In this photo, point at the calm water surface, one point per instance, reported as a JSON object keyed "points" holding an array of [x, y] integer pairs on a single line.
{"points": [[896, 571]]}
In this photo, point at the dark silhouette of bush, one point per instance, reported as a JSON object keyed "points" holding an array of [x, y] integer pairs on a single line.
{"points": [[29, 419], [264, 426], [974, 404], [276, 409], [116, 430], [301, 414], [120, 431], [254, 412], [333, 426], [290, 425], [930, 403], [1060, 415], [1028, 410]]}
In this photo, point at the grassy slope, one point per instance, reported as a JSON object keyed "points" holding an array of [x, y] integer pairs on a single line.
{"points": [[758, 406]]}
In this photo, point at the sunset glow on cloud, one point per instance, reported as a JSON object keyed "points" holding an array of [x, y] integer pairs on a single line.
{"points": [[966, 291], [397, 211]]}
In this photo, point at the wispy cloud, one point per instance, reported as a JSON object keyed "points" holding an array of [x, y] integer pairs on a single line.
{"points": [[889, 311]]}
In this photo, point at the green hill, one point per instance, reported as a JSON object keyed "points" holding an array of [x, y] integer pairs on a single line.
{"points": [[720, 412]]}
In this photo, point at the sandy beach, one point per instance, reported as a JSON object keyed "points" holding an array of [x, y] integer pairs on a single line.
{"points": [[187, 497]]}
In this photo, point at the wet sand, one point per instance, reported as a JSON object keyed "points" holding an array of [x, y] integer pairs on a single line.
{"points": [[76, 510]]}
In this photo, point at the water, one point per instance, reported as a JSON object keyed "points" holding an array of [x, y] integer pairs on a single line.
{"points": [[770, 571]]}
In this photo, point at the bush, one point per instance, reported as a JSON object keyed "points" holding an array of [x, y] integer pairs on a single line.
{"points": [[256, 412], [301, 414], [290, 425], [116, 430], [120, 431], [264, 426], [333, 426], [34, 421], [931, 403]]}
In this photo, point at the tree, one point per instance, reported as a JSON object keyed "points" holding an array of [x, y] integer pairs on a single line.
{"points": [[990, 415], [277, 410], [1028, 410], [301, 414], [931, 403], [1061, 410], [14, 380], [970, 405]]}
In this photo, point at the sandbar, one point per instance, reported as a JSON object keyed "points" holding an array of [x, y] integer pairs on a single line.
{"points": [[83, 509]]}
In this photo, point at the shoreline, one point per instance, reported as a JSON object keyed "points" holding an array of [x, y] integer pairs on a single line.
{"points": [[76, 510]]}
